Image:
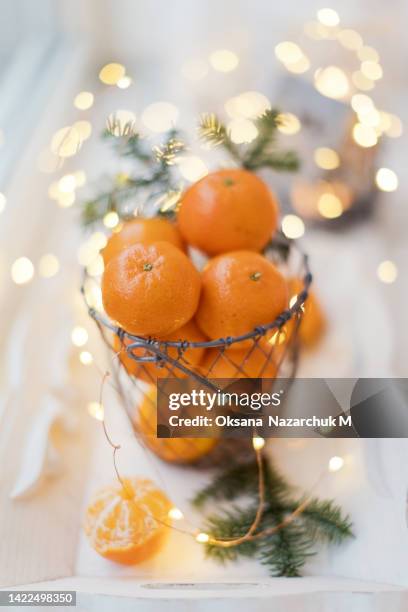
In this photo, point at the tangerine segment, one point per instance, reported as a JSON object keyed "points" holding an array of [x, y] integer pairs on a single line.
{"points": [[228, 210], [151, 289], [173, 450], [240, 291], [125, 523], [247, 363], [149, 371], [141, 230]]}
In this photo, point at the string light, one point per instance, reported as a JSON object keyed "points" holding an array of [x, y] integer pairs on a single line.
{"points": [[124, 82], [336, 463], [111, 73], [332, 82], [361, 103], [258, 443], [248, 105], [387, 271], [293, 226], [368, 54], [224, 60], [386, 179], [65, 200], [328, 17], [329, 206], [326, 158], [111, 219], [96, 410], [288, 52], [48, 265], [288, 123], [79, 336], [84, 129], [85, 357], [350, 39], [395, 128], [66, 142], [84, 100], [175, 514], [22, 271], [361, 81], [371, 70], [364, 135], [202, 537], [3, 202], [242, 131], [191, 167], [67, 183]]}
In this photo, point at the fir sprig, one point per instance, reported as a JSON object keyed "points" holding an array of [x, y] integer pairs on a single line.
{"points": [[261, 153], [286, 550]]}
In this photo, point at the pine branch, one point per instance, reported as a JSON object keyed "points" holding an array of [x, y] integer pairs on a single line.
{"points": [[324, 521], [286, 552], [215, 134], [231, 523]]}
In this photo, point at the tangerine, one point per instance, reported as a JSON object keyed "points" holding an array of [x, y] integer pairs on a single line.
{"points": [[240, 291], [252, 363], [228, 210], [141, 229], [124, 523], [313, 322], [150, 289]]}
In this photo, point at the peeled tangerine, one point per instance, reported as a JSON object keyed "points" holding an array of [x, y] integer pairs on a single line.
{"points": [[174, 450], [228, 210], [125, 523], [151, 289], [149, 372]]}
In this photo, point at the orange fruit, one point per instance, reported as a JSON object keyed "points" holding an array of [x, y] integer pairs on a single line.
{"points": [[228, 210], [313, 322], [148, 372], [141, 230], [246, 363], [240, 291], [174, 450], [125, 523], [151, 289]]}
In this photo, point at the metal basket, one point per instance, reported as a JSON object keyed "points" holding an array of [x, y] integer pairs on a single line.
{"points": [[271, 343]]}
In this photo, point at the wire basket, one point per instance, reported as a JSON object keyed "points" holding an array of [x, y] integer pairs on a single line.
{"points": [[266, 352]]}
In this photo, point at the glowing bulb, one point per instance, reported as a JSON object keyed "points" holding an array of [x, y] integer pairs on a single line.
{"points": [[84, 100], [387, 271], [65, 200], [336, 463], [202, 537], [224, 60], [66, 142], [328, 17], [326, 158], [242, 131], [258, 443], [368, 54], [299, 67], [111, 219], [3, 201], [67, 183], [175, 514], [84, 129], [360, 103], [293, 226], [96, 410], [361, 81], [192, 168], [110, 74], [48, 265], [288, 123], [22, 271], [329, 206], [364, 135], [288, 52], [350, 39], [386, 179], [332, 82], [160, 116], [371, 70], [395, 128], [79, 336], [85, 357], [124, 82]]}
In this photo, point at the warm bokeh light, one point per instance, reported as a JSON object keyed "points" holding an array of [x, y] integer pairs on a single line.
{"points": [[194, 69], [329, 206], [328, 17], [350, 39], [65, 200], [288, 52], [336, 463], [124, 82], [326, 158], [395, 128], [66, 142], [84, 100], [361, 81], [387, 271], [67, 183], [85, 357], [84, 129], [96, 410], [242, 131], [48, 265], [22, 270], [160, 116], [175, 514], [367, 53], [332, 82], [293, 226], [386, 179], [371, 70], [96, 266], [364, 135], [258, 443], [361, 103], [121, 121], [288, 123], [299, 67], [79, 336], [3, 202], [191, 167], [112, 73], [202, 537], [111, 219], [224, 60], [248, 105]]}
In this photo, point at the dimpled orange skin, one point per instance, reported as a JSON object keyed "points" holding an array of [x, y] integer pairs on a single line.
{"points": [[120, 521], [150, 371], [245, 363], [228, 210], [240, 291], [141, 230], [173, 450], [151, 289]]}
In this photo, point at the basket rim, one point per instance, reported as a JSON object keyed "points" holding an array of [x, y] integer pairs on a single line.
{"points": [[155, 345]]}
